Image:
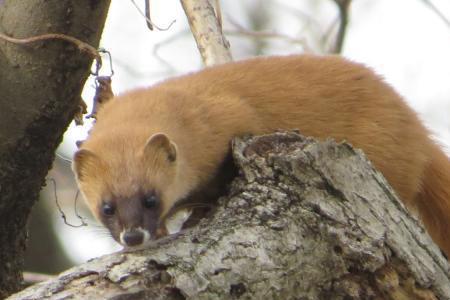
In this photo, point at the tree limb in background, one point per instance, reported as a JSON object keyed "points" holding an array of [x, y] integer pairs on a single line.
{"points": [[309, 20], [212, 44], [242, 31], [343, 6], [82, 46], [148, 16], [170, 68], [305, 220], [437, 12]]}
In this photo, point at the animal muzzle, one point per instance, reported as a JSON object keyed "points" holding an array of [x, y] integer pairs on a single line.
{"points": [[134, 237]]}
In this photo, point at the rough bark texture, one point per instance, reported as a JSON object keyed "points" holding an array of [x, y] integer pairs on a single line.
{"points": [[304, 220], [212, 44], [40, 86]]}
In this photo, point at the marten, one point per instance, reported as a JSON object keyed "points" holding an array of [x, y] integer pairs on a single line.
{"points": [[151, 148]]}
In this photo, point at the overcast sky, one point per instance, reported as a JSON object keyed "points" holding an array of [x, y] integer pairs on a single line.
{"points": [[402, 40]]}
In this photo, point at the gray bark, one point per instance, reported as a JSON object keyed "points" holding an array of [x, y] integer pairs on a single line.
{"points": [[40, 86], [211, 43], [304, 220]]}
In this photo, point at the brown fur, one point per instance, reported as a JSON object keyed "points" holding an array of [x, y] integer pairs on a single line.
{"points": [[201, 112]]}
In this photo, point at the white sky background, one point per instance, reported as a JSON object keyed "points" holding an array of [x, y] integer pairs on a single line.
{"points": [[403, 40]]}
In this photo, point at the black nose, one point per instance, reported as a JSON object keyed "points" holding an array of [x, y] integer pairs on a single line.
{"points": [[133, 237]]}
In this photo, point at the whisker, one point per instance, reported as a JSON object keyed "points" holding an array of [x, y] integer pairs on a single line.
{"points": [[101, 230], [102, 233], [194, 205], [95, 225]]}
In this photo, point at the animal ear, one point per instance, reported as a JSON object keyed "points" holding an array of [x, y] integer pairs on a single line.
{"points": [[81, 160], [160, 144]]}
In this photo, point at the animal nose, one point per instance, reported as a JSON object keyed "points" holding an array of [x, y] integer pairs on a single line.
{"points": [[133, 237]]}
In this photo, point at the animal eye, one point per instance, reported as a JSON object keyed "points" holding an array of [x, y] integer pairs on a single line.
{"points": [[108, 209], [150, 201]]}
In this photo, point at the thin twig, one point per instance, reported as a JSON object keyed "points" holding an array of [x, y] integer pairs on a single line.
{"points": [[110, 60], [82, 46], [147, 18], [63, 215], [63, 158], [147, 15], [241, 30], [156, 50], [343, 6], [308, 19], [437, 12]]}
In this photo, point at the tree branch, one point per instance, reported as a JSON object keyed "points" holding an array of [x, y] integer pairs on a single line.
{"points": [[82, 46], [212, 44], [343, 6], [304, 220]]}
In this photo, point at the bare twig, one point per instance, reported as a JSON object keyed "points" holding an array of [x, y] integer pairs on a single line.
{"points": [[241, 30], [213, 46], [63, 158], [437, 12], [309, 20], [146, 15], [156, 50], [63, 215], [343, 6], [82, 46]]}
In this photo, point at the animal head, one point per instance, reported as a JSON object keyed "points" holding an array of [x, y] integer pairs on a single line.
{"points": [[131, 184]]}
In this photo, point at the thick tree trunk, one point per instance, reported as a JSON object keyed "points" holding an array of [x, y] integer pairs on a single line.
{"points": [[40, 86], [304, 220]]}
